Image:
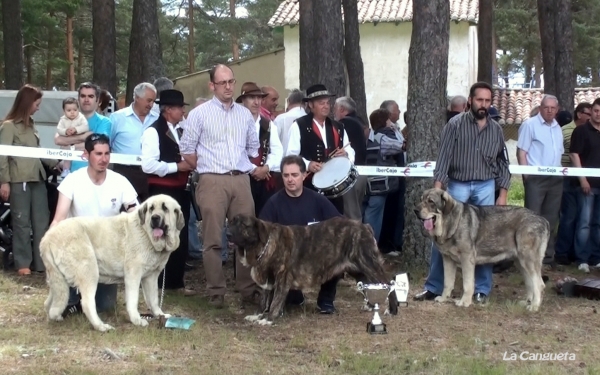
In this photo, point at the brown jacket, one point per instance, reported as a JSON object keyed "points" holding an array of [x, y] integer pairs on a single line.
{"points": [[20, 169]]}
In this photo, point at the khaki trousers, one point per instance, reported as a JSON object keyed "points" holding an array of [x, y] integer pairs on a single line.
{"points": [[220, 197]]}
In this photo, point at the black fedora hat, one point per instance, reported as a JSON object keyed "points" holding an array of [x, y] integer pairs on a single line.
{"points": [[317, 91], [171, 97]]}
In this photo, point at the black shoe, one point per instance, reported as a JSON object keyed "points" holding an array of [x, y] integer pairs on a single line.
{"points": [[562, 261], [326, 308], [425, 296], [479, 298], [72, 310]]}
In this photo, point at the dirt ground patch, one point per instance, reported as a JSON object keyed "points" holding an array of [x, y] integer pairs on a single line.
{"points": [[425, 338]]}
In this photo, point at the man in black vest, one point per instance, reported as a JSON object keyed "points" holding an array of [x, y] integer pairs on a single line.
{"points": [[265, 179], [168, 174], [318, 138]]}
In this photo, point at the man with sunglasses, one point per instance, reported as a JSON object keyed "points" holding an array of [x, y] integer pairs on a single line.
{"points": [[89, 99], [219, 140], [565, 238]]}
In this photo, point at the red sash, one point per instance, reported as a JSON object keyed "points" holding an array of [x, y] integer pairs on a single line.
{"points": [[336, 136], [178, 180], [270, 184]]}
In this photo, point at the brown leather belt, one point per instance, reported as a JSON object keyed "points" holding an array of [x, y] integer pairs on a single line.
{"points": [[234, 173]]}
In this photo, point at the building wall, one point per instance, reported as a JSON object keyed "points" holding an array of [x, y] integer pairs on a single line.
{"points": [[264, 69], [384, 49]]}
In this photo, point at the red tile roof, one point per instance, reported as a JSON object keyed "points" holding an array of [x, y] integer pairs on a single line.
{"points": [[380, 11], [514, 105]]}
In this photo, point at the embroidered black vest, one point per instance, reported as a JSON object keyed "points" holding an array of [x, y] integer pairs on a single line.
{"points": [[169, 153], [264, 138], [311, 146]]}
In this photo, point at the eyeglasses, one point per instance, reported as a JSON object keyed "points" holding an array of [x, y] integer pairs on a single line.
{"points": [[586, 113], [231, 82]]}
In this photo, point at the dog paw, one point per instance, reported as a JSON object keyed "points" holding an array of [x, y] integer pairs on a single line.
{"points": [[140, 322], [253, 318], [440, 299], [264, 322], [524, 303], [463, 303], [166, 316], [533, 308], [105, 327]]}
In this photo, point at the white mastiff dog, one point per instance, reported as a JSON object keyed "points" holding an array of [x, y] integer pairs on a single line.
{"points": [[131, 248]]}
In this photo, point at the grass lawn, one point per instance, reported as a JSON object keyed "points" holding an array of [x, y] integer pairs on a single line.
{"points": [[425, 338]]}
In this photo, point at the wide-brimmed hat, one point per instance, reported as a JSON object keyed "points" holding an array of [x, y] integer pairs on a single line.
{"points": [[250, 89], [171, 97], [316, 92]]}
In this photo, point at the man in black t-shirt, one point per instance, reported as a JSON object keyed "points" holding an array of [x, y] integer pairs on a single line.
{"points": [[585, 152], [295, 205]]}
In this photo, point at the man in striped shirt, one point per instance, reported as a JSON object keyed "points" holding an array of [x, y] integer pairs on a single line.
{"points": [[470, 163], [219, 139]]}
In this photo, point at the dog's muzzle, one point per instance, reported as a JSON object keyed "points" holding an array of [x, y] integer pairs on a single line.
{"points": [[159, 229]]}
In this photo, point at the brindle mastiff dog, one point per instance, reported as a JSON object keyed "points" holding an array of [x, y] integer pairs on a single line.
{"points": [[298, 257], [467, 235]]}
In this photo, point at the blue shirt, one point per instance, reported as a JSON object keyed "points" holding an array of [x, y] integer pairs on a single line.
{"points": [[127, 129], [98, 124]]}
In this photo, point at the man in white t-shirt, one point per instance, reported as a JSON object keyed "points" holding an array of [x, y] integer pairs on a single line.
{"points": [[95, 191]]}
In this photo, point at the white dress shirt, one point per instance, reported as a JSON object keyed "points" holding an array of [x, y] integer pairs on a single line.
{"points": [[294, 146], [275, 147], [151, 152], [284, 122], [542, 141]]}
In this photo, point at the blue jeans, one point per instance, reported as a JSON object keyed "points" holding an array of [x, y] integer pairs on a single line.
{"points": [[569, 214], [373, 212], [106, 297], [195, 246], [587, 237], [474, 192]]}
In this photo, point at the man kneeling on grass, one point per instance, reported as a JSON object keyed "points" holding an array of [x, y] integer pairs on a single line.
{"points": [[295, 205]]}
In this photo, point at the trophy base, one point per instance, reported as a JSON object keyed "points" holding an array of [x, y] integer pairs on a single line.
{"points": [[376, 329]]}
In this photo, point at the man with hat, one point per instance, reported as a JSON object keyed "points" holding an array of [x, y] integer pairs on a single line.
{"points": [[318, 138], [265, 178], [168, 174]]}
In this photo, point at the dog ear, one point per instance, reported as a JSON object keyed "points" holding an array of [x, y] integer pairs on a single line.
{"points": [[448, 202], [142, 210], [180, 219], [263, 231]]}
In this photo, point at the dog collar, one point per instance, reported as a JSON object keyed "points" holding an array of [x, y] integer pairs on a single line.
{"points": [[263, 250]]}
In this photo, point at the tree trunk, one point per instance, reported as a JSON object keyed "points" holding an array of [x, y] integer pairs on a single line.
{"points": [[79, 59], [13, 44], [145, 53], [354, 63], [191, 55], [537, 74], [234, 40], [494, 59], [329, 51], [528, 62], [49, 59], [546, 15], [485, 41], [70, 58], [309, 71], [104, 40], [563, 45], [28, 65], [427, 79]]}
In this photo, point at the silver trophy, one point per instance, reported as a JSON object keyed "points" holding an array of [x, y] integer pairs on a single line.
{"points": [[381, 293]]}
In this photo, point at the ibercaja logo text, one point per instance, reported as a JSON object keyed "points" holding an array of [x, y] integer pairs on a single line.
{"points": [[60, 153], [547, 169], [386, 170]]}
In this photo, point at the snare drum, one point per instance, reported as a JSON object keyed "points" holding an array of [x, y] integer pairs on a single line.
{"points": [[336, 178]]}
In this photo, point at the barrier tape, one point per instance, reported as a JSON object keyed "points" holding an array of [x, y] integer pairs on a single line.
{"points": [[417, 169]]}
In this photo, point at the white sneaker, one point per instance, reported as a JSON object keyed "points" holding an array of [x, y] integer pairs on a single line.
{"points": [[597, 265], [393, 254], [584, 267]]}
